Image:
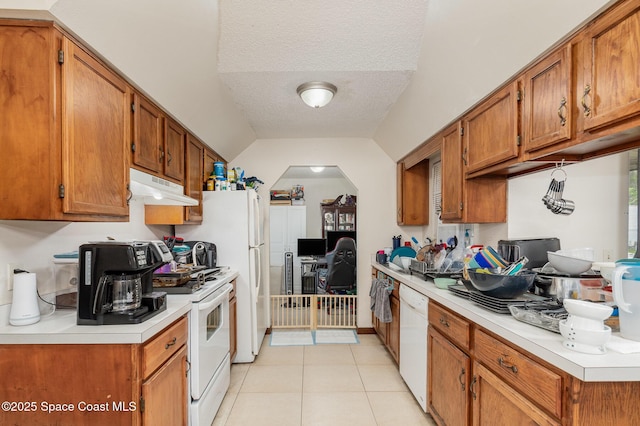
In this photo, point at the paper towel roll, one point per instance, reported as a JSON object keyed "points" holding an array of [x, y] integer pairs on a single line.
{"points": [[24, 308]]}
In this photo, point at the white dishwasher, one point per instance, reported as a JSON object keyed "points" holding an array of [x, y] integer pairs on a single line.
{"points": [[413, 342]]}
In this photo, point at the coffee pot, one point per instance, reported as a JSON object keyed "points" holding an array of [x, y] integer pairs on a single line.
{"points": [[626, 294]]}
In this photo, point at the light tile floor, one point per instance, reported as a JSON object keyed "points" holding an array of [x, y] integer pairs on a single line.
{"points": [[320, 385]]}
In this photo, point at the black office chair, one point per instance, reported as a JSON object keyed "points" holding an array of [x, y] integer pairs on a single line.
{"points": [[341, 274]]}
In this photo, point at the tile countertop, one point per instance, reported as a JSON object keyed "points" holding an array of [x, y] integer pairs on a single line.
{"points": [[61, 327], [609, 367]]}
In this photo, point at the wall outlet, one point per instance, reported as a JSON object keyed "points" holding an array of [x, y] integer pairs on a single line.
{"points": [[607, 255]]}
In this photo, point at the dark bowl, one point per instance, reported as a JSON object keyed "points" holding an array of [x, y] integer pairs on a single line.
{"points": [[502, 286]]}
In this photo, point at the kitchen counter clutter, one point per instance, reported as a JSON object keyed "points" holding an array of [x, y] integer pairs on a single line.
{"points": [[546, 345], [61, 327]]}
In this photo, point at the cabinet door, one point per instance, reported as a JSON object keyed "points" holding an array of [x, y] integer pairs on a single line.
{"points": [[328, 220], [413, 193], [495, 403], [147, 146], [394, 329], [491, 130], [193, 181], [175, 138], [346, 218], [452, 173], [612, 67], [286, 225], [448, 373], [548, 100], [165, 393], [95, 132]]}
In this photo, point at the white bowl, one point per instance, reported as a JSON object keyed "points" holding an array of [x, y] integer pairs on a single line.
{"points": [[588, 310], [567, 264], [585, 341], [586, 253]]}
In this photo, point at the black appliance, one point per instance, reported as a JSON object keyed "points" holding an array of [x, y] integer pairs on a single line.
{"points": [[535, 249], [104, 267], [205, 253]]}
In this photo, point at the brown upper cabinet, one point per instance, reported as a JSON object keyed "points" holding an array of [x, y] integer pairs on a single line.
{"points": [[547, 100], [148, 135], [491, 130], [65, 125], [477, 200], [173, 155], [611, 67], [413, 194], [579, 101], [158, 141], [194, 169]]}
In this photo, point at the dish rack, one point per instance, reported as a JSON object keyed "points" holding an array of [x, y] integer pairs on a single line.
{"points": [[422, 268], [545, 314]]}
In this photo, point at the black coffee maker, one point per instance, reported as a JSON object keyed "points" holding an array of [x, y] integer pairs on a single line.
{"points": [[116, 282]]}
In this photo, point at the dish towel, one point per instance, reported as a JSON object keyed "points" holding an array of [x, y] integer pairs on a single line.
{"points": [[380, 304]]}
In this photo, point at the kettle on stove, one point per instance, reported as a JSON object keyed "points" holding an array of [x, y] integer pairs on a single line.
{"points": [[626, 293]]}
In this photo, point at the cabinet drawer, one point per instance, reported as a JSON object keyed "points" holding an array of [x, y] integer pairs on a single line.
{"points": [[531, 379], [449, 324], [165, 344]]}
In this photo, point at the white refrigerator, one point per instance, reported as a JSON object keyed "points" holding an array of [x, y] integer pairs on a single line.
{"points": [[233, 222]]}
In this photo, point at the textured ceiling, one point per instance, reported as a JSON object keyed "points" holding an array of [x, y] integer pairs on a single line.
{"points": [[369, 50]]}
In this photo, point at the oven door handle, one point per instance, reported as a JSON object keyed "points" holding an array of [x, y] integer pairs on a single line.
{"points": [[208, 305]]}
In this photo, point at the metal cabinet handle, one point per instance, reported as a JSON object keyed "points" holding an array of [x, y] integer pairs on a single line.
{"points": [[461, 379], [562, 111], [464, 156], [171, 343], [161, 154], [472, 387], [586, 109], [444, 322], [170, 158], [506, 365]]}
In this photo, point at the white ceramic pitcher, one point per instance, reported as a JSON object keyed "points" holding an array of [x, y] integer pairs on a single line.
{"points": [[626, 293]]}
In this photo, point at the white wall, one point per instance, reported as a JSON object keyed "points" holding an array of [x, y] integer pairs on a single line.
{"points": [[31, 244], [600, 190], [362, 161]]}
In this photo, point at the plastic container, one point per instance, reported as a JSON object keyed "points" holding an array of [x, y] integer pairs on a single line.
{"points": [[218, 170]]}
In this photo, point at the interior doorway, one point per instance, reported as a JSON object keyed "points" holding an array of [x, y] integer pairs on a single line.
{"points": [[311, 187]]}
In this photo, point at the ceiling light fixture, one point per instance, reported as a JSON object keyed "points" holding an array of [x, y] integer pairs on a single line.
{"points": [[317, 94], [317, 169]]}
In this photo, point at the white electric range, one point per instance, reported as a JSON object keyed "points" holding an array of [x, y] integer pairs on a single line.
{"points": [[210, 366]]}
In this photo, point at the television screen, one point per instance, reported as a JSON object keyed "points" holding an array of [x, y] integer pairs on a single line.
{"points": [[334, 236], [312, 247]]}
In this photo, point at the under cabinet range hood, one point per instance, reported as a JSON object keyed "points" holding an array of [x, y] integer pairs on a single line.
{"points": [[158, 191]]}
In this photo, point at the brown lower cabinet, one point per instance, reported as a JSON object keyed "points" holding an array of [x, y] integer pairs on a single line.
{"points": [[389, 332], [477, 378], [97, 384]]}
